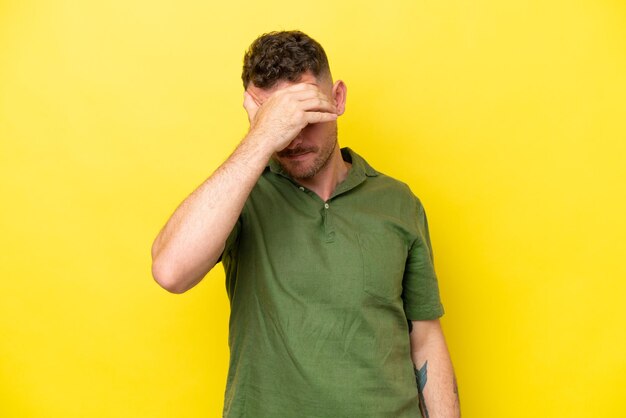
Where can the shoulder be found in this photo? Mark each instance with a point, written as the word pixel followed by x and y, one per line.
pixel 389 187
pixel 269 181
pixel 379 180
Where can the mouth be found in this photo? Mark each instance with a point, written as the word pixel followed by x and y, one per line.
pixel 296 156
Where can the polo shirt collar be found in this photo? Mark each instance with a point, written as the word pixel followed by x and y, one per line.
pixel 359 165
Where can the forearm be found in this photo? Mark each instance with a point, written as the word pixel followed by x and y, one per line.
pixel 435 377
pixel 193 238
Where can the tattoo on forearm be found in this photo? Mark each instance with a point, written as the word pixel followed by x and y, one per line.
pixel 456 390
pixel 421 376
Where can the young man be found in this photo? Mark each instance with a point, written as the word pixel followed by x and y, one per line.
pixel 329 269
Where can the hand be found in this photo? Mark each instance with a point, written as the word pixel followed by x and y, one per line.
pixel 287 111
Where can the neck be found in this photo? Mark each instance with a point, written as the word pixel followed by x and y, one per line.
pixel 327 179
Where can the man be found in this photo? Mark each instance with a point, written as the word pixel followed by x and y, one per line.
pixel 334 298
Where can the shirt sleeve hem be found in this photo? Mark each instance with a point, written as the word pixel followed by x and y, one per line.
pixel 424 314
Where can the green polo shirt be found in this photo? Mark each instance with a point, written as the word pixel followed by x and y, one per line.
pixel 320 293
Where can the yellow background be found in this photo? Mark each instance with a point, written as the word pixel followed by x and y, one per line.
pixel 506 118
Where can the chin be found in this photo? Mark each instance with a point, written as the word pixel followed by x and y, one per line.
pixel 301 173
pixel 308 167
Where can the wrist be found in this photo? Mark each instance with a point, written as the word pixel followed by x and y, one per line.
pixel 259 143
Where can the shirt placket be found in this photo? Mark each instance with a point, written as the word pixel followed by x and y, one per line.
pixel 355 177
pixel 327 220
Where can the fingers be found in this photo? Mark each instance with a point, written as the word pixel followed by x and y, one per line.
pixel 306 97
pixel 306 93
pixel 300 87
pixel 317 117
pixel 321 104
pixel 299 92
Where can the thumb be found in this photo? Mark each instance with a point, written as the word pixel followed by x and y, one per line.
pixel 250 105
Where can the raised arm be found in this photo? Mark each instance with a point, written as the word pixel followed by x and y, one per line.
pixel 192 240
pixel 437 388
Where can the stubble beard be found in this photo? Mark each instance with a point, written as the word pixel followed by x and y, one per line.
pixel 298 171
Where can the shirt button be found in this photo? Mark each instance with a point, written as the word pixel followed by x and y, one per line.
pixel 326 205
pixel 301 188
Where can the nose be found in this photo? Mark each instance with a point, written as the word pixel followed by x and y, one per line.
pixel 295 143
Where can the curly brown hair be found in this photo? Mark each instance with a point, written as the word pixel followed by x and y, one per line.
pixel 283 55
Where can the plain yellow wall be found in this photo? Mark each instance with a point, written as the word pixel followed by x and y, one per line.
pixel 508 119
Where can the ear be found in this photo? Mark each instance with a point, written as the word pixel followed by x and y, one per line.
pixel 339 96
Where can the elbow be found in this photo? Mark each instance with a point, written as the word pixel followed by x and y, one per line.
pixel 163 272
pixel 166 278
pixel 177 274
pixel 177 277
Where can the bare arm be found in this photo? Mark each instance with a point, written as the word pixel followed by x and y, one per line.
pixel 438 393
pixel 193 239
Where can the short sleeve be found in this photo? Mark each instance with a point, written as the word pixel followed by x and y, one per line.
pixel 232 239
pixel 420 291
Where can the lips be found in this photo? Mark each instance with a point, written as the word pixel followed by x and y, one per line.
pixel 295 153
pixel 297 156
